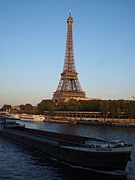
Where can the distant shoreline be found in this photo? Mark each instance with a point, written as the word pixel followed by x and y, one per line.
pixel 93 121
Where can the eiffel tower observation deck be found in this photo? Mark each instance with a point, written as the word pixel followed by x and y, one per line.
pixel 69 86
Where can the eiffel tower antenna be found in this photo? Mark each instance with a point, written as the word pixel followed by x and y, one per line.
pixel 69 86
pixel 70 12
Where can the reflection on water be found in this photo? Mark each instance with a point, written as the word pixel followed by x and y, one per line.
pixel 17 162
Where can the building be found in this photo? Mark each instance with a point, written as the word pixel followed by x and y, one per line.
pixel 69 86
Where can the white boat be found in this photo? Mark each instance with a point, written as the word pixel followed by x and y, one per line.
pixel 15 116
pixel 29 117
pixel 39 118
pixel 26 117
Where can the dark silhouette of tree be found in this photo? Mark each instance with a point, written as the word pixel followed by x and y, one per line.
pixel 46 105
pixel 107 108
pixel 104 108
pixel 27 108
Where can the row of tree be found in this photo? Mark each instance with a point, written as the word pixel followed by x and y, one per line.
pixel 111 108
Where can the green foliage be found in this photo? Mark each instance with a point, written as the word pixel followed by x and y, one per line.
pixel 108 108
pixel 93 105
pixel 104 107
pixel 27 108
pixel 46 105
pixel 71 105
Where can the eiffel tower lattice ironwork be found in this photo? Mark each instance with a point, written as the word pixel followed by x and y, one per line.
pixel 69 86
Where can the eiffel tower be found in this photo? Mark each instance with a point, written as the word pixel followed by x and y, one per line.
pixel 69 86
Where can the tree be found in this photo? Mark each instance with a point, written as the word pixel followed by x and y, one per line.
pixel 27 108
pixel 22 107
pixel 46 105
pixel 104 107
pixel 73 105
pixel 61 106
pixel 112 108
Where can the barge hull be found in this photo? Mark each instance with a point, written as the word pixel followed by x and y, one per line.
pixel 104 161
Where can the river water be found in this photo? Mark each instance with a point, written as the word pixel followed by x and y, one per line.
pixel 20 163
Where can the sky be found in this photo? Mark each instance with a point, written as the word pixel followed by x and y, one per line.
pixel 33 43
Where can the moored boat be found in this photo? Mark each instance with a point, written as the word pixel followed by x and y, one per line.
pixel 26 117
pixel 29 117
pixel 39 118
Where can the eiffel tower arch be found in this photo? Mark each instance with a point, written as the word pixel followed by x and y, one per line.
pixel 69 85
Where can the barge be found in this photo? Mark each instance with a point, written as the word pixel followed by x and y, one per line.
pixel 76 151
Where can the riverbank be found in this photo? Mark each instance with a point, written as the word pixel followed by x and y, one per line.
pixel 93 121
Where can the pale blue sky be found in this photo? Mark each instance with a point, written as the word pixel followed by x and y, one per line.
pixel 33 40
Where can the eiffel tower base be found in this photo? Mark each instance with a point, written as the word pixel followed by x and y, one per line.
pixel 59 96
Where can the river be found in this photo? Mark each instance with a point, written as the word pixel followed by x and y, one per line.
pixel 18 162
